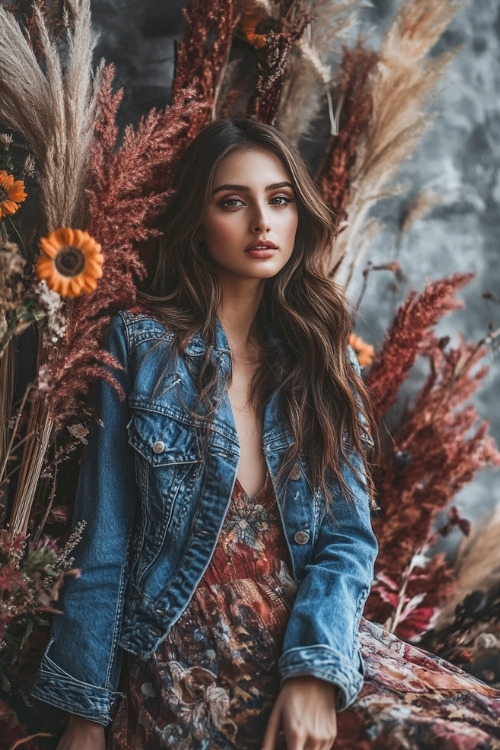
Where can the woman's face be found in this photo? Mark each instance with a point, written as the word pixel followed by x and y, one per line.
pixel 251 220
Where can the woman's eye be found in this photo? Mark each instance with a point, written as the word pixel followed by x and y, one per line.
pixel 232 202
pixel 281 200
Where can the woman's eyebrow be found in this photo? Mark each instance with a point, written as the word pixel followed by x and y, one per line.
pixel 245 188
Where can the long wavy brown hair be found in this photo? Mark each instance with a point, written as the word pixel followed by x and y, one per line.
pixel 322 397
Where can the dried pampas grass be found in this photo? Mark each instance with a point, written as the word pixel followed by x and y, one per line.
pixel 310 73
pixel 401 88
pixel 54 110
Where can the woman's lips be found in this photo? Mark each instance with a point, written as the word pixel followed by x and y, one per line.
pixel 262 249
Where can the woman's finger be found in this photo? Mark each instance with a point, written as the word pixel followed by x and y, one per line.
pixel 272 730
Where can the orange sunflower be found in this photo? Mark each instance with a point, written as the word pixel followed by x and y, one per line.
pixel 11 194
pixel 364 352
pixel 70 262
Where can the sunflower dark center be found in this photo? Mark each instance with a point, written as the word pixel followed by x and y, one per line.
pixel 3 194
pixel 70 261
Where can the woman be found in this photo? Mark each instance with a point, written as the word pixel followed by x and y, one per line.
pixel 239 395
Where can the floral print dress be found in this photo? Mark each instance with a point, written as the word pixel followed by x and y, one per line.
pixel 212 683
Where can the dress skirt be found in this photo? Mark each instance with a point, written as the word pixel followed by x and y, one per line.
pixel 212 683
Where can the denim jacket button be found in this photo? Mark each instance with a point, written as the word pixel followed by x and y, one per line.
pixel 295 472
pixel 159 446
pixel 301 537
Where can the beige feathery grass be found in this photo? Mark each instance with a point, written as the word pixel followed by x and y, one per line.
pixel 477 566
pixel 54 110
pixel 401 88
pixel 311 75
pixel 418 208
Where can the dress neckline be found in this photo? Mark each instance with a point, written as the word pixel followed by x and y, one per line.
pixel 238 486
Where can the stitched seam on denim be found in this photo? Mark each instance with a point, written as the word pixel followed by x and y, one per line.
pixel 181 417
pixel 188 493
pixel 120 601
pixel 357 617
pixel 165 521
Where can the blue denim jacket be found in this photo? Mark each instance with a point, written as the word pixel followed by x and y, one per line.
pixel 154 509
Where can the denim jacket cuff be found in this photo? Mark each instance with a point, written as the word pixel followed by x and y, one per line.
pixel 52 685
pixel 326 664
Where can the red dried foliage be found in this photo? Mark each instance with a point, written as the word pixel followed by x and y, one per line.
pixel 202 56
pixel 12 731
pixel 438 448
pixel 408 335
pixel 353 90
pixel 122 206
pixel 54 16
pixel 273 68
pixel 427 589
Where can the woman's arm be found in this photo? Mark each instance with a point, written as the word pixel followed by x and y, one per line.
pixel 80 670
pixel 321 639
pixel 82 734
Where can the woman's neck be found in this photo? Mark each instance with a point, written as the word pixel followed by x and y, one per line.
pixel 237 313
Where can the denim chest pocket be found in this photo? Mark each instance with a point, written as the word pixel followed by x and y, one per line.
pixel 168 466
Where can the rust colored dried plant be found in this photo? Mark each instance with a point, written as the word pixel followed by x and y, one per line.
pixel 439 446
pixel 353 91
pixel 408 334
pixel 202 57
pixel 274 67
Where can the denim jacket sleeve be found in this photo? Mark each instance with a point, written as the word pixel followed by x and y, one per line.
pixel 322 633
pixel 80 669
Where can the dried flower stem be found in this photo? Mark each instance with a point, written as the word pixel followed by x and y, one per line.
pixel 31 467
pixel 6 396
pixel 392 622
pixel 9 448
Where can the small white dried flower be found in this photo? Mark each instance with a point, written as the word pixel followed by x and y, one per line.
pixel 79 432
pixel 29 168
pixel 486 642
pixel 5 140
pixel 44 379
pixel 54 307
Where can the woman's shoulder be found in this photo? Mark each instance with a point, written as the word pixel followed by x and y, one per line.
pixel 138 324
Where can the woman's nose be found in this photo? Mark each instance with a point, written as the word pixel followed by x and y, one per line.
pixel 261 220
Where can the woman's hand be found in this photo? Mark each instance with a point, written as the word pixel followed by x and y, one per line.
pixel 82 734
pixel 305 711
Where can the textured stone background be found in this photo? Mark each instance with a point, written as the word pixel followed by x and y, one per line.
pixel 459 159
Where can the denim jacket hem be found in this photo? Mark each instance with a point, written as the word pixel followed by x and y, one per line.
pixel 54 686
pixel 326 664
